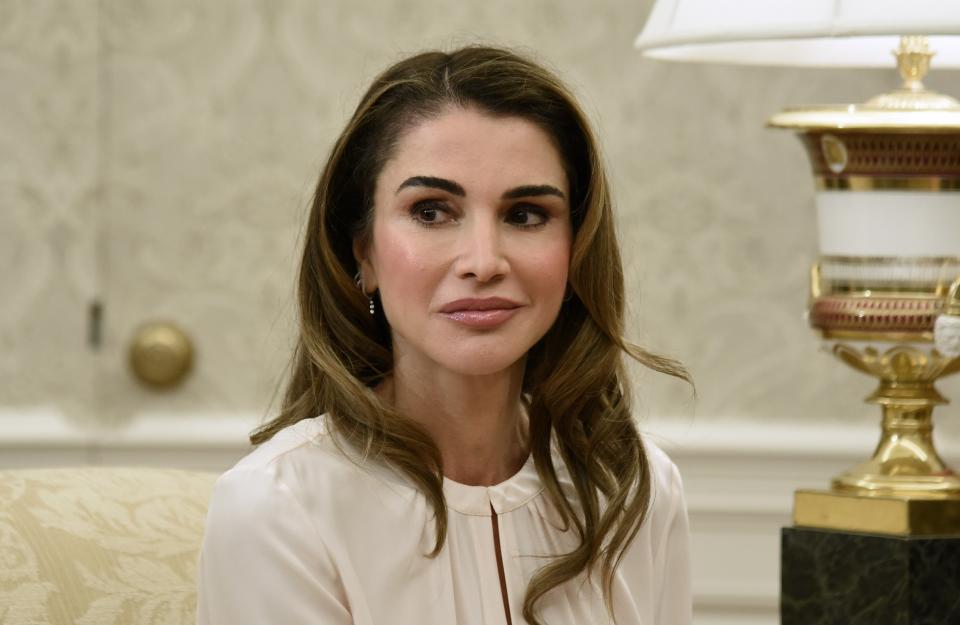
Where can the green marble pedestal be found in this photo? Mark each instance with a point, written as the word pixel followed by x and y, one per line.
pixel 831 577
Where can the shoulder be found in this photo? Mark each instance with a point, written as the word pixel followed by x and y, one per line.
pixel 294 439
pixel 663 471
pixel 277 473
pixel 260 531
pixel 268 479
pixel 277 459
pixel 666 485
pixel 302 468
pixel 666 498
pixel 661 561
pixel 658 557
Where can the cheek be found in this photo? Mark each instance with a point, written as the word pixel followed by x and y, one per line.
pixel 402 266
pixel 548 267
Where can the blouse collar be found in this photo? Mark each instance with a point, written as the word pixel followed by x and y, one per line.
pixel 508 495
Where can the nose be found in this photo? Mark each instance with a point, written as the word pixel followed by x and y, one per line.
pixel 481 255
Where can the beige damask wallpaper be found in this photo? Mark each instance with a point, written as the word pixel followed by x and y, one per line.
pixel 157 156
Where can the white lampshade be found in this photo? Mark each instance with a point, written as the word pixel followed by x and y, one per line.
pixel 838 33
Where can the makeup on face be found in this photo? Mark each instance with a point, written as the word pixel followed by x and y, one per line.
pixel 471 241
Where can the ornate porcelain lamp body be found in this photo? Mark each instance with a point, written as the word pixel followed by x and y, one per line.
pixel 888 209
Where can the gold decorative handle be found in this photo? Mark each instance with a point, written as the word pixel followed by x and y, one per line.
pixel 161 354
pixel 816 288
pixel 951 305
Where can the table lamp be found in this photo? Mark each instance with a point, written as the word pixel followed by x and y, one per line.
pixel 884 292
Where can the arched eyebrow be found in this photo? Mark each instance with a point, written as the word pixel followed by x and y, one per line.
pixel 527 190
pixel 533 190
pixel 431 181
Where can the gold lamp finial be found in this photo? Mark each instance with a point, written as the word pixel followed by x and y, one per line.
pixel 913 61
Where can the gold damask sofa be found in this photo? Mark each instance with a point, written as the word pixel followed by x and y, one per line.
pixel 100 546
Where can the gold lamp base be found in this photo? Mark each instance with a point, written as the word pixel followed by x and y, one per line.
pixel 934 515
pixel 905 489
pixel 905 462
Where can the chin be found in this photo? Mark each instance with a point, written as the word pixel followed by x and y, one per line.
pixel 469 362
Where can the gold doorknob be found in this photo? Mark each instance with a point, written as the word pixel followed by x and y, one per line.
pixel 161 354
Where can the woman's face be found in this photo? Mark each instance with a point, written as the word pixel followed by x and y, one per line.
pixel 470 242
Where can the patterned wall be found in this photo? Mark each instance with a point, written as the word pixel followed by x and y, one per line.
pixel 158 156
pixel 49 167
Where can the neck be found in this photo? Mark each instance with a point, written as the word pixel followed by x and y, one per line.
pixel 478 422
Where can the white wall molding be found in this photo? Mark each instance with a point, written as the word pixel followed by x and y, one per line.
pixel 45 437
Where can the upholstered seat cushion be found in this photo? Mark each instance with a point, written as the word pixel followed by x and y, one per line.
pixel 100 546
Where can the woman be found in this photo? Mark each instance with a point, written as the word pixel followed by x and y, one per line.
pixel 456 444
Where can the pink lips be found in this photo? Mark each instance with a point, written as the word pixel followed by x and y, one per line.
pixel 480 313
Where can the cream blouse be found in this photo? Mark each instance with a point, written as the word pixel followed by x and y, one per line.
pixel 297 534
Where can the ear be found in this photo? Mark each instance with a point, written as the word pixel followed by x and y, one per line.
pixel 367 273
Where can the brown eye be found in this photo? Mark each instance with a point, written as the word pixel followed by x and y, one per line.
pixel 526 217
pixel 429 213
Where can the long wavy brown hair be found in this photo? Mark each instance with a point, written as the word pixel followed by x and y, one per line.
pixel 574 384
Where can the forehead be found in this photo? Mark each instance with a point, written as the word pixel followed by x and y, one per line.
pixel 471 146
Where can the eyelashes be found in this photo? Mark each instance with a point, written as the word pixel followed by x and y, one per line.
pixel 430 213
pixel 434 213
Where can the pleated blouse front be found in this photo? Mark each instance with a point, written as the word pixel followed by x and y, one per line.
pixel 299 534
